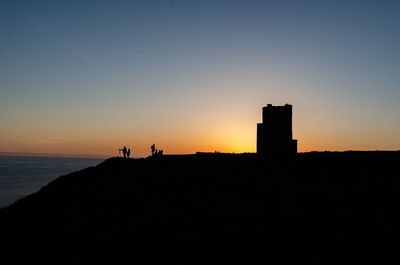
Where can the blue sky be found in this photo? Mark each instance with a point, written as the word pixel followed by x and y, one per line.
pixel 85 77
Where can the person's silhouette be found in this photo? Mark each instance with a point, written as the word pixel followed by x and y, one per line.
pixel 124 151
pixel 153 149
pixel 128 153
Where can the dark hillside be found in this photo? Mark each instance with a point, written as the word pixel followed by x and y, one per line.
pixel 320 208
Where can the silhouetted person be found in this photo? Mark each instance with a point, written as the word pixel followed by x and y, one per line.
pixel 128 153
pixel 153 149
pixel 124 151
pixel 158 152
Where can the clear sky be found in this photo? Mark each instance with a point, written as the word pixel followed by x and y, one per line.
pixel 87 77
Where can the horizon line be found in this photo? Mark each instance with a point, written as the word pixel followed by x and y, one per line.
pixel 5 153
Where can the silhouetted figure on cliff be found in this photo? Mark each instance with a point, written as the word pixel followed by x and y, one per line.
pixel 124 151
pixel 158 153
pixel 155 152
pixel 128 153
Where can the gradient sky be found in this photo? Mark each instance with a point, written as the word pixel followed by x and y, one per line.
pixel 87 77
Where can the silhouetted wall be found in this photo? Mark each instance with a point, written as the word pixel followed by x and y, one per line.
pixel 274 134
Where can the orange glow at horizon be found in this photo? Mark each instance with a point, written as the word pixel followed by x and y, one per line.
pixel 227 139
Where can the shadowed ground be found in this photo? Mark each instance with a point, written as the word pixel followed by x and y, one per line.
pixel 320 208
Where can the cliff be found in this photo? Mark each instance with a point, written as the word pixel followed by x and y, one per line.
pixel 320 208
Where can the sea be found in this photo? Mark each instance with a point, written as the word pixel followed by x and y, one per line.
pixel 23 175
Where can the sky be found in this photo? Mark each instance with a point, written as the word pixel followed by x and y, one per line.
pixel 88 77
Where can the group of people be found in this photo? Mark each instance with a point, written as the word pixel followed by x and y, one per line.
pixel 155 152
pixel 125 151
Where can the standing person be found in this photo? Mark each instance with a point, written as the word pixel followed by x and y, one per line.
pixel 128 153
pixel 124 151
pixel 153 149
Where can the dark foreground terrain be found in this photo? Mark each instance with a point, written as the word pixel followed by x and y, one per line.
pixel 320 208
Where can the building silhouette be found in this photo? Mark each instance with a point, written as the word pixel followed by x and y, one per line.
pixel 274 134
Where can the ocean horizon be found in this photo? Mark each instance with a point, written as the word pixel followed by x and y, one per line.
pixel 21 175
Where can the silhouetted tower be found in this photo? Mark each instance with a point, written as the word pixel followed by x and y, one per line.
pixel 274 134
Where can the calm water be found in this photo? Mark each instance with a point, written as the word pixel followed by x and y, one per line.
pixel 23 175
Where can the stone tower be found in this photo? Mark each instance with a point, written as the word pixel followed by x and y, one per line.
pixel 274 134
